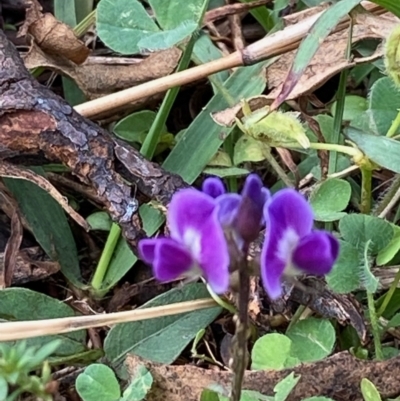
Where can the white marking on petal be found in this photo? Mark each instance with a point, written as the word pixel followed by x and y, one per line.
pixel 192 241
pixel 286 245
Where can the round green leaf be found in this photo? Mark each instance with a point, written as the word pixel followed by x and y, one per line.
pixel 139 385
pixel 384 102
pixel 271 352
pixel 312 339
pixel 248 149
pixel 345 275
pixel 99 221
pixel 98 382
pixel 122 24
pixel 354 106
pixel 329 198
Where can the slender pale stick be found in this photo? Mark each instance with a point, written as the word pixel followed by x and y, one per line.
pixel 11 331
pixel 278 43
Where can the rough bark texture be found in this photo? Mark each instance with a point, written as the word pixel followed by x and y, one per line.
pixel 35 121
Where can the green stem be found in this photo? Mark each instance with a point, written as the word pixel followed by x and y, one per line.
pixel 395 125
pixel 374 326
pixel 295 318
pixel 389 294
pixel 340 100
pixel 226 305
pixel 366 190
pixel 150 143
pixel 105 258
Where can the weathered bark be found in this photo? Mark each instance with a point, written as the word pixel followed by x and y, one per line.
pixel 35 121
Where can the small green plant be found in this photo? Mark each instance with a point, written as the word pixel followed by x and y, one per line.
pixel 98 382
pixel 17 362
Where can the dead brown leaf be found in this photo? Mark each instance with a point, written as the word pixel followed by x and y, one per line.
pixel 53 36
pixel 97 80
pixel 337 377
pixel 330 58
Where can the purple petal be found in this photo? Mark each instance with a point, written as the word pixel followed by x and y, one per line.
pixel 213 187
pixel 272 269
pixel 250 214
pixel 228 206
pixel 214 256
pixel 147 249
pixel 316 253
pixel 289 209
pixel 171 260
pixel 188 210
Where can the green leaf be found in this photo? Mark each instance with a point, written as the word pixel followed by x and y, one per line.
pixel 285 387
pixel 166 39
pixel 202 139
pixel 18 304
pixel 386 254
pixel 49 225
pixel 354 106
pixel 170 14
pixel 248 149
pixel 4 388
pixel 272 351
pixel 369 391
pixel 381 150
pixel 317 398
pixel 99 221
pixel 312 339
pixel 209 395
pixel 139 386
pixel 122 24
pixel 358 229
pixel 148 338
pixel 345 275
pixel 384 101
pixel 394 321
pixel 329 198
pixel 309 46
pixel 98 382
pixel 132 127
pixel 121 262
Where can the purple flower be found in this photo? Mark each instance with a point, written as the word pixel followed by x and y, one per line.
pixel 196 246
pixel 291 246
pixel 243 213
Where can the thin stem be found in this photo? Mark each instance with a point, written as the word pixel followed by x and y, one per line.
pixel 226 305
pixel 389 294
pixel 374 326
pixel 102 266
pixel 279 170
pixel 340 100
pixel 366 190
pixel 150 143
pixel 395 125
pixel 296 316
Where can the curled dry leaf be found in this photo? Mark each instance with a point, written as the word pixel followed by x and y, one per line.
pixel 11 171
pixel 97 80
pixel 31 265
pixel 53 36
pixel 337 377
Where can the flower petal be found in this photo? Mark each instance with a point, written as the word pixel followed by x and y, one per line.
pixel 316 253
pixel 272 269
pixel 188 210
pixel 147 249
pixel 289 209
pixel 228 205
pixel 214 256
pixel 250 214
pixel 171 260
pixel 213 186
